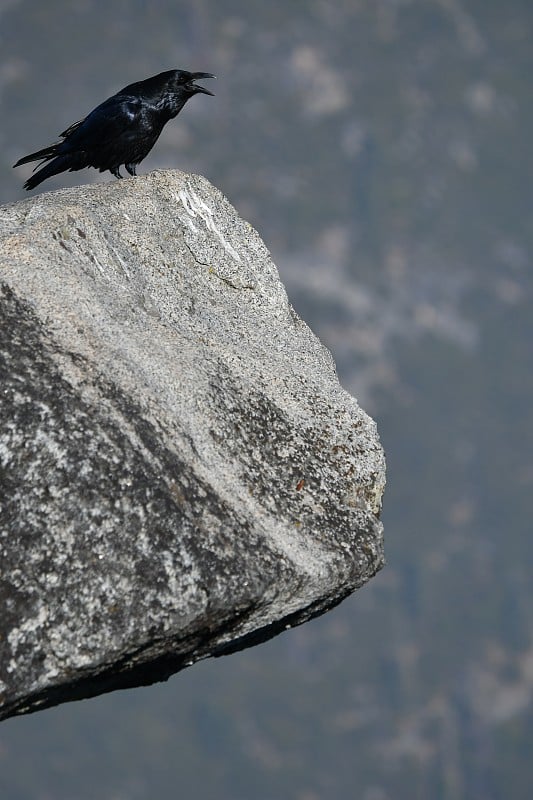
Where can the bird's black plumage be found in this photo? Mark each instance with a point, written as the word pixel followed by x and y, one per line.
pixel 121 130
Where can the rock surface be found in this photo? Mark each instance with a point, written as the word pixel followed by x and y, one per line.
pixel 181 474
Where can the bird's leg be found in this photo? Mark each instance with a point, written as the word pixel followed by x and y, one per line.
pixel 132 169
pixel 115 171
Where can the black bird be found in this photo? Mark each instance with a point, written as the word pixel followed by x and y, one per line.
pixel 121 130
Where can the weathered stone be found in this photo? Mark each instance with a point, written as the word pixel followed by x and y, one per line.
pixel 181 474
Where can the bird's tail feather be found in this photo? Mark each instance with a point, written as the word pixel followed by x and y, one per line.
pixel 41 155
pixel 59 164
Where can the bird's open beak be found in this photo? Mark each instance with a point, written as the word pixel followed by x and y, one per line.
pixel 195 76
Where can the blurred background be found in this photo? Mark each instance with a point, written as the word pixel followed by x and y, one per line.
pixel 382 148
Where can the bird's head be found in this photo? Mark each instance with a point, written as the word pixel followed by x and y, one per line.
pixel 184 81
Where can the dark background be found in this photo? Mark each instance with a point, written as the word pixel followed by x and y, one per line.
pixel 383 150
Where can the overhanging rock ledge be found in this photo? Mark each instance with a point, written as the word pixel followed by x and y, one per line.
pixel 181 474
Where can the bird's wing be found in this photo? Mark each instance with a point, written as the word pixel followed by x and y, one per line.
pixel 106 132
pixel 72 128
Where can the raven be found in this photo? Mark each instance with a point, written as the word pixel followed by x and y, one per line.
pixel 121 130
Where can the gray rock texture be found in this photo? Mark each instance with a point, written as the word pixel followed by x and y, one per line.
pixel 181 474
